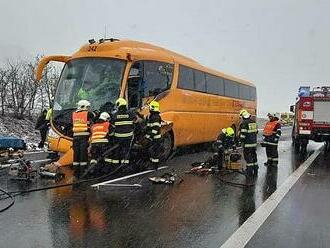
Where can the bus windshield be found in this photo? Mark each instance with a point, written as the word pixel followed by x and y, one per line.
pixel 94 79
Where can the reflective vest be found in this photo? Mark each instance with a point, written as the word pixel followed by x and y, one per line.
pixel 80 123
pixel 99 132
pixel 269 129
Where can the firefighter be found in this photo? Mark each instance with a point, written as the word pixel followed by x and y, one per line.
pixel 248 138
pixel 272 133
pixel 81 120
pixel 122 130
pixel 153 133
pixel 100 141
pixel 225 141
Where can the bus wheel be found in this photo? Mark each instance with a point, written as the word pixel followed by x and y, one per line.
pixel 166 146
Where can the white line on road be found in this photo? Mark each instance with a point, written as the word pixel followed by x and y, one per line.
pixel 126 177
pixel 34 152
pixel 242 236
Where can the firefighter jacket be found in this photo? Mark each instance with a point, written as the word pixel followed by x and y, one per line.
pixel 81 120
pixel 100 131
pixel 223 142
pixel 248 133
pixel 122 124
pixel 272 132
pixel 154 123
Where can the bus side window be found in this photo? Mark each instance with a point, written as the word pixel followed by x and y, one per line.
pixel 157 77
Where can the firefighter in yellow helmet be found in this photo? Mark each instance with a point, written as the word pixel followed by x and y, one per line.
pixel 153 133
pixel 225 141
pixel 122 132
pixel 248 137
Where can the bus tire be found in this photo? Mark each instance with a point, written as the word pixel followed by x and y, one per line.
pixel 166 146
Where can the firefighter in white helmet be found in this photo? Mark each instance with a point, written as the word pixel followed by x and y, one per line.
pixel 100 143
pixel 81 120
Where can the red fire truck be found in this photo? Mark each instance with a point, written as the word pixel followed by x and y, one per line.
pixel 312 117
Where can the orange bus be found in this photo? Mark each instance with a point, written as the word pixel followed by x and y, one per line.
pixel 197 101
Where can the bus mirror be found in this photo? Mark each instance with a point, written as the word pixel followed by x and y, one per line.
pixel 292 108
pixel 45 60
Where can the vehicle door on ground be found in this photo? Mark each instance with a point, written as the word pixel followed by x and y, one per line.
pixel 146 80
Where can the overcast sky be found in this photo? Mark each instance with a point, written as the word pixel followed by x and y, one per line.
pixel 278 45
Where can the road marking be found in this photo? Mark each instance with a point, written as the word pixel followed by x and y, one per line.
pixel 34 152
pixel 245 232
pixel 126 177
pixel 136 185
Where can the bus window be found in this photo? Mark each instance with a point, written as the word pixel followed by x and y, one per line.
pixel 214 85
pixel 157 77
pixel 244 92
pixel 253 94
pixel 186 78
pixel 231 89
pixel 200 84
pixel 148 78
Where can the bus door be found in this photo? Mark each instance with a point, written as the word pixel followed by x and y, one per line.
pixel 147 80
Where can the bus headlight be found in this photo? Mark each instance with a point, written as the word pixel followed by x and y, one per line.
pixel 52 134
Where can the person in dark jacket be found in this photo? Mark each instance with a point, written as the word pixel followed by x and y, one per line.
pixel 122 129
pixel 153 135
pixel 248 137
pixel 225 141
pixel 42 126
pixel 272 133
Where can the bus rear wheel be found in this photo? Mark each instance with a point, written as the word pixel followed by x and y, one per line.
pixel 166 146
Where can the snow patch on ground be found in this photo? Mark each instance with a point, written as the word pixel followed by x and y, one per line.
pixel 23 129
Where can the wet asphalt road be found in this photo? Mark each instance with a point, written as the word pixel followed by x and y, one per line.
pixel 302 217
pixel 199 212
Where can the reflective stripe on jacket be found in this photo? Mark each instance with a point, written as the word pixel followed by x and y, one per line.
pixel 99 132
pixel 154 123
pixel 123 124
pixel 248 133
pixel 80 123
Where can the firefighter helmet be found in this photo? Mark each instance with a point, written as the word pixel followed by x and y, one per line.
pixel 244 113
pixel 104 116
pixel 83 104
pixel 121 102
pixel 154 106
pixel 230 131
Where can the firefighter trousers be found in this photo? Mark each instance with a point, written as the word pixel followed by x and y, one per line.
pixel 80 153
pixel 250 156
pixel 97 152
pixel 120 155
pixel 154 152
pixel 272 154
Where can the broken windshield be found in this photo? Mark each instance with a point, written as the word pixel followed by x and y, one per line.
pixel 94 79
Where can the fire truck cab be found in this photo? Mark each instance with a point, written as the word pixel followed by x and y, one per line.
pixel 312 117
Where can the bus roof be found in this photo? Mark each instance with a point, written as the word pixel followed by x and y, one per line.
pixel 121 48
